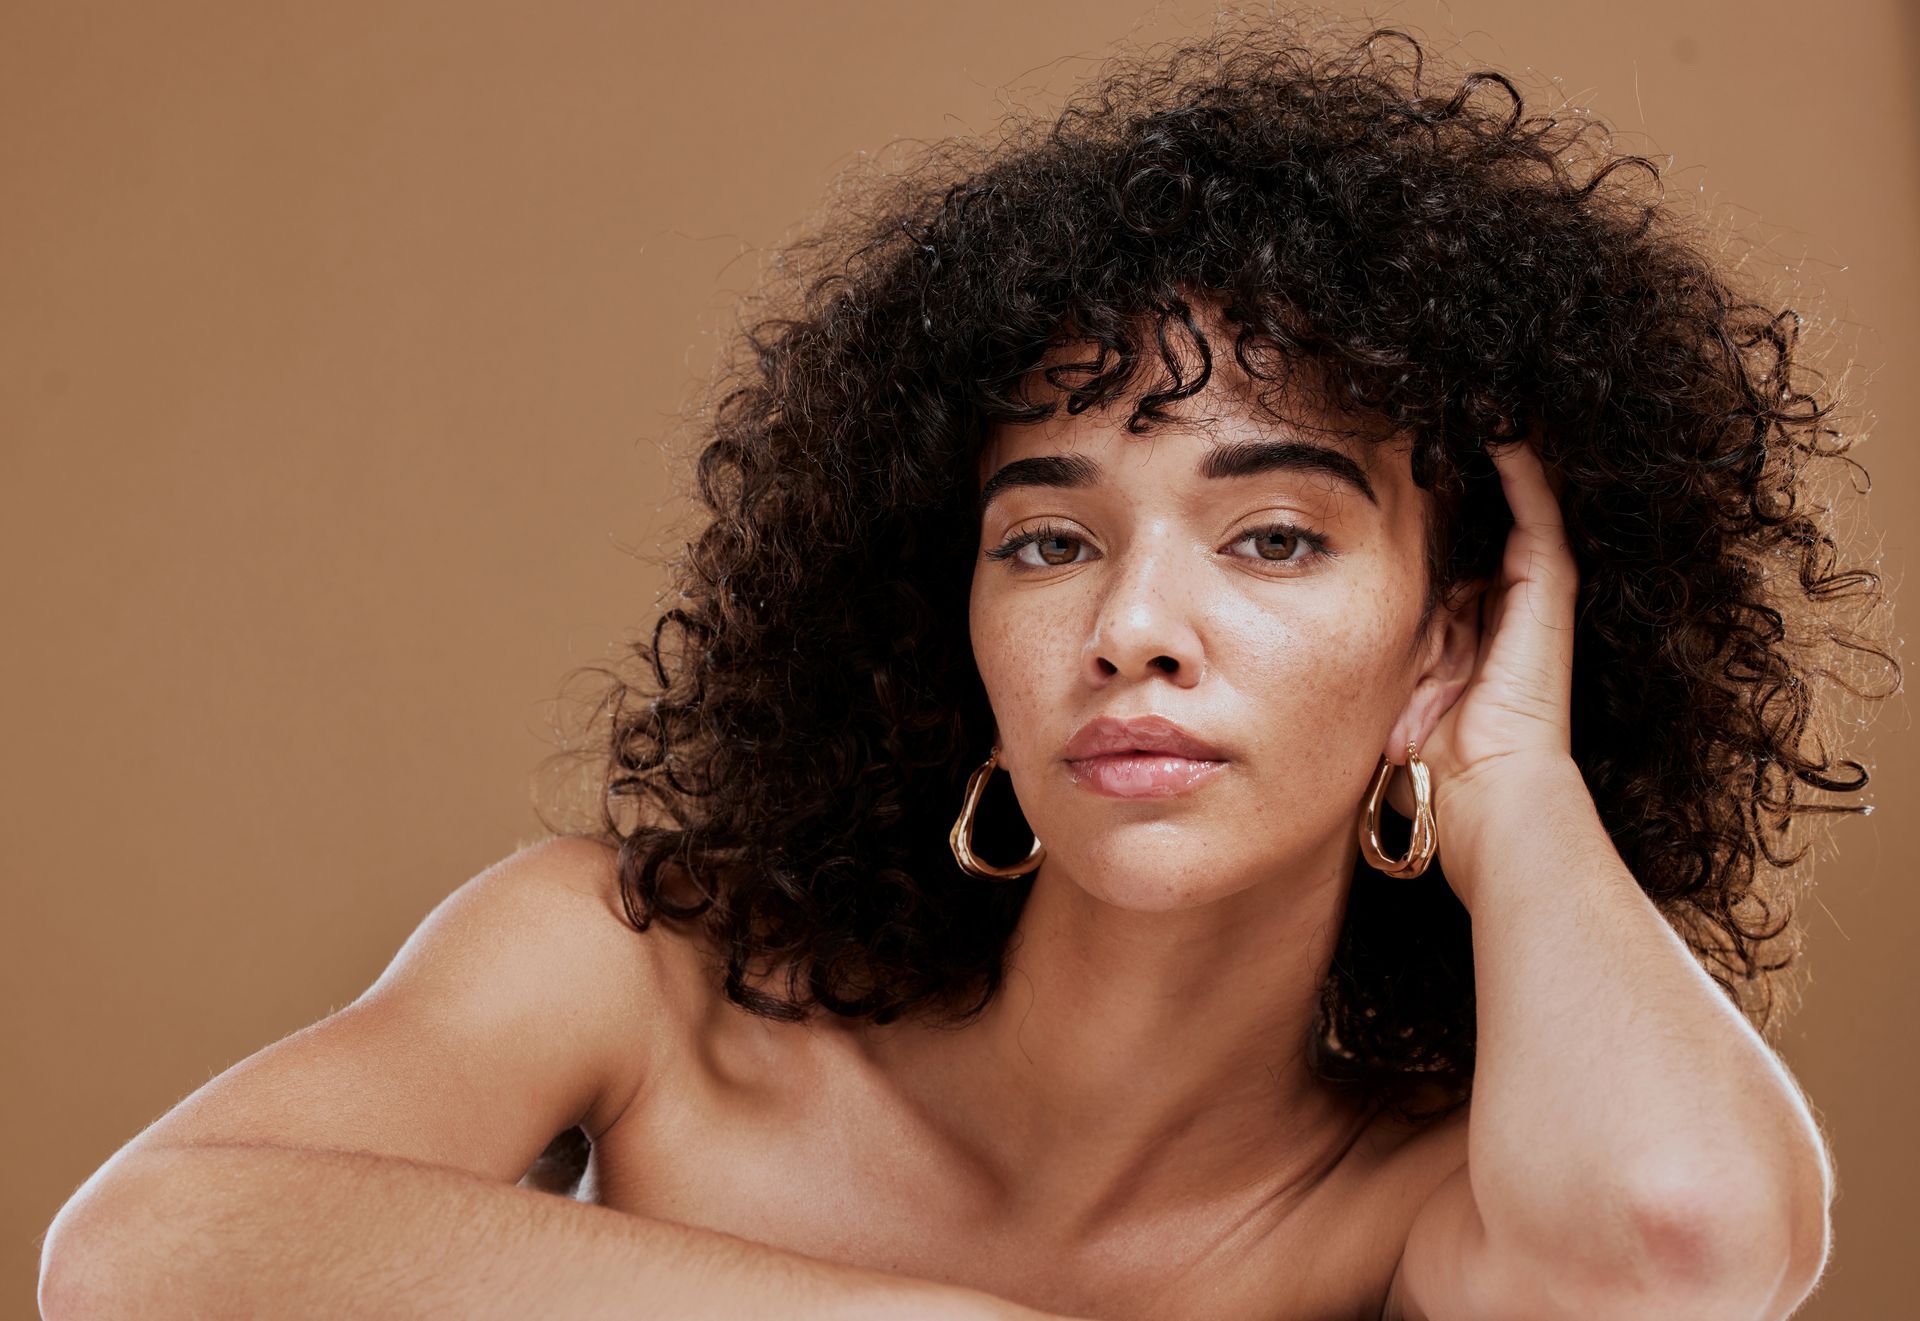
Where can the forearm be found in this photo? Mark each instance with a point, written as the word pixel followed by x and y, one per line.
pixel 247 1231
pixel 1625 1115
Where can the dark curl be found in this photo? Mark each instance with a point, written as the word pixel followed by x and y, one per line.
pixel 787 764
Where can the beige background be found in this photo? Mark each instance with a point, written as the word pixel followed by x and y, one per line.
pixel 337 343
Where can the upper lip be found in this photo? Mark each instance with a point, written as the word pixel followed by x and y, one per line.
pixel 1141 734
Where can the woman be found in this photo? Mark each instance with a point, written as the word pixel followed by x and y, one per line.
pixel 1104 523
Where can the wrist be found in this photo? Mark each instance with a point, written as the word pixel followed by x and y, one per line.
pixel 1510 797
pixel 1502 779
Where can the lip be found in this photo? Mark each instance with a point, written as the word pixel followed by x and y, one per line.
pixel 1145 757
pixel 1105 735
pixel 1142 774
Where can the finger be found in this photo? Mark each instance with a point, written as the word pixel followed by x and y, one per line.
pixel 1539 528
pixel 1523 476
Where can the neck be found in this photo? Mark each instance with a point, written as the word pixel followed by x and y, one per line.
pixel 1148 1058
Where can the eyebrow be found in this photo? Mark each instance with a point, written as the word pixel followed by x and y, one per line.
pixel 1240 458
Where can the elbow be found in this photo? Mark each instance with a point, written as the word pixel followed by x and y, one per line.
pixel 1686 1238
pixel 1752 1254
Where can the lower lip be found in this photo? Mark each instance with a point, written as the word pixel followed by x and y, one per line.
pixel 1142 774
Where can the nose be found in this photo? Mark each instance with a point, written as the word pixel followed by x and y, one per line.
pixel 1144 623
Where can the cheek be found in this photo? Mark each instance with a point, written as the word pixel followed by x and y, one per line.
pixel 1321 667
pixel 1017 639
pixel 1029 648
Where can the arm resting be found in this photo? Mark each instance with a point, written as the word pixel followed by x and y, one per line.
pixel 237 1230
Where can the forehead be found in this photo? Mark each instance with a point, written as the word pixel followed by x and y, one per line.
pixel 1228 429
pixel 1102 433
pixel 1230 404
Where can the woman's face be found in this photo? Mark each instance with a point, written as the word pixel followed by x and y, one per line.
pixel 1258 586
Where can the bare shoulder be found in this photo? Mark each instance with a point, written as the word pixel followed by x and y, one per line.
pixel 675 963
pixel 1402 1161
pixel 1405 1165
pixel 524 1004
pixel 654 976
pixel 683 1022
pixel 1401 1143
pixel 1393 1168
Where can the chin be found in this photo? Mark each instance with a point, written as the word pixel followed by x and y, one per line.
pixel 1154 871
pixel 1156 896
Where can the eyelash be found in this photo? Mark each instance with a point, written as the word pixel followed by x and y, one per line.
pixel 1317 547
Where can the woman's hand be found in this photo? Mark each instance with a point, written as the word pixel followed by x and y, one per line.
pixel 1513 718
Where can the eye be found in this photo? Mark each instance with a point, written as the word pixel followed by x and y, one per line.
pixel 1284 543
pixel 1275 543
pixel 1046 537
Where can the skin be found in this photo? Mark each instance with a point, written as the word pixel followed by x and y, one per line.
pixel 1146 1063
pixel 1150 1041
pixel 1130 1129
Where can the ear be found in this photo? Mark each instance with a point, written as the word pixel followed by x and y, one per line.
pixel 1446 663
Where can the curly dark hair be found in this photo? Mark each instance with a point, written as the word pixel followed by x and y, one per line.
pixel 786 765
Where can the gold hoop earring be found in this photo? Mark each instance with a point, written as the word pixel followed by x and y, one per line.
pixel 961 836
pixel 1426 837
